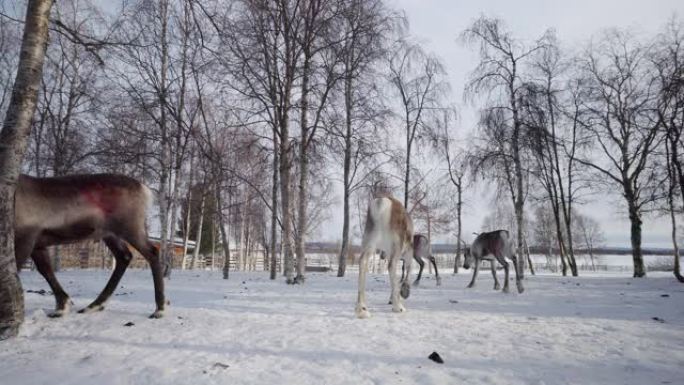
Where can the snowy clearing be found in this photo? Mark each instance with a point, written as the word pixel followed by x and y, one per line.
pixel 596 329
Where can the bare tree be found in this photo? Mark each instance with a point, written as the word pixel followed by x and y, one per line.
pixel 490 157
pixel 263 63
pixel 590 235
pixel 544 119
pixel 499 74
pixel 13 142
pixel 318 39
pixel 456 162
pixel 544 233
pixel 416 77
pixel 365 25
pixel 620 94
pixel 669 66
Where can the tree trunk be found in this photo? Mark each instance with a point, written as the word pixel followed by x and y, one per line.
pixel 285 173
pixel 635 236
pixel 178 166
pixel 198 237
pixel 242 252
pixel 274 209
pixel 13 142
pixel 213 240
pixel 348 105
pixel 186 234
pixel 559 191
pixel 300 241
pixel 559 238
pixel 302 198
pixel 529 259
pixel 672 178
pixel 224 234
pixel 675 247
pixel 520 239
pixel 174 214
pixel 407 172
pixel 515 144
pixel 164 199
pixel 248 223
pixel 459 205
pixel 678 170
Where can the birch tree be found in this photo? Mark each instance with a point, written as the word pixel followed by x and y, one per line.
pixel 499 77
pixel 416 78
pixel 13 142
pixel 669 68
pixel 263 62
pixel 620 94
pixel 365 25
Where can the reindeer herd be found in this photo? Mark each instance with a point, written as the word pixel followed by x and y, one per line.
pixel 112 208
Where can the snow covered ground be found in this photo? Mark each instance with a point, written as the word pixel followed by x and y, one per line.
pixel 596 329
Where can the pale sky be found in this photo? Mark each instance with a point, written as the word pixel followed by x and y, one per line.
pixel 437 25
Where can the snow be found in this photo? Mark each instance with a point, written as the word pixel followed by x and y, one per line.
pixel 596 329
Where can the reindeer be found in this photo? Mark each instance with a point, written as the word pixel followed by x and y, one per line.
pixel 390 230
pixel 489 246
pixel 61 210
pixel 421 251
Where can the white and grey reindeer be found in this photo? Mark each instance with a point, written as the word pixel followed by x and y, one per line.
pixel 491 246
pixel 421 252
pixel 390 230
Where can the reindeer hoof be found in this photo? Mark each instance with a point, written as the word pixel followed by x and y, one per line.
pixel 362 312
pixel 472 285
pixel 416 283
pixel 91 309
pixel 520 289
pixel 157 314
pixel 497 287
pixel 57 314
pixel 398 309
pixel 505 290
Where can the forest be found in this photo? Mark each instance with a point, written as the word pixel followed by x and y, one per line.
pixel 251 120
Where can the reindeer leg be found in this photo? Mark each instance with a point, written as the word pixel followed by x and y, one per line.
pixel 41 258
pixel 361 307
pixel 502 261
pixel 151 254
pixel 518 282
pixel 476 268
pixel 492 264
pixel 123 258
pixel 405 289
pixel 420 270
pixel 390 266
pixel 437 277
pixel 397 306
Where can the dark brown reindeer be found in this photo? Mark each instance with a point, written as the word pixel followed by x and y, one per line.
pixel 491 246
pixel 61 210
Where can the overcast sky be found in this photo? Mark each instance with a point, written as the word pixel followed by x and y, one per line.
pixel 437 25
